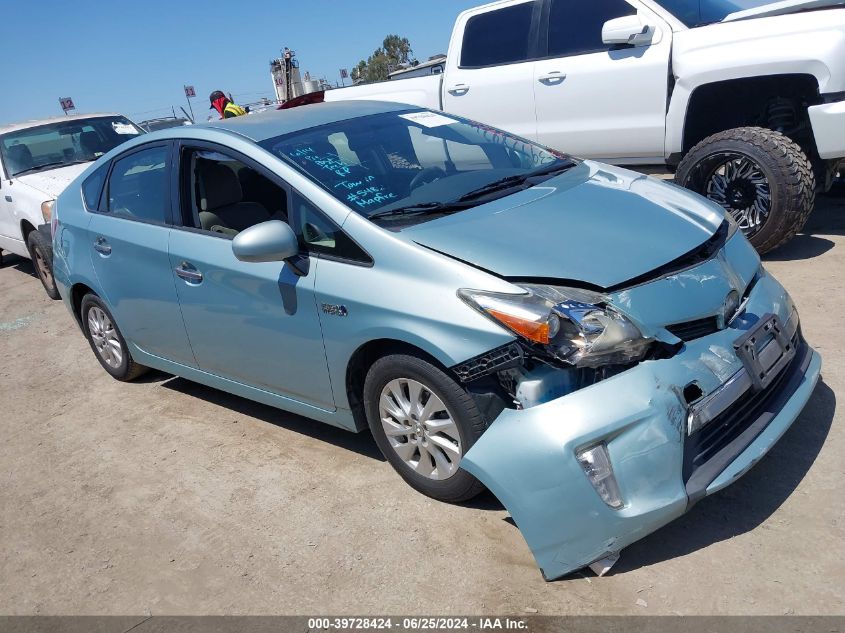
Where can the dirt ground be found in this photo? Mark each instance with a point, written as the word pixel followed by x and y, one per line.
pixel 166 497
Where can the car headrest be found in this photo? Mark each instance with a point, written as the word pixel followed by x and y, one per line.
pixel 20 157
pixel 91 143
pixel 220 187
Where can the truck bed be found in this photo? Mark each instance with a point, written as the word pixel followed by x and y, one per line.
pixel 419 91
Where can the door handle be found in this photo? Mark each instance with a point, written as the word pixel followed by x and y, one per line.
pixel 552 77
pixel 8 198
pixel 188 273
pixel 102 246
pixel 458 90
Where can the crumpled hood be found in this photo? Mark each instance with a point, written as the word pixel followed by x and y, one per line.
pixel 53 181
pixel 595 224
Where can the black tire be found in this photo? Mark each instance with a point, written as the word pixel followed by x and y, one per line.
pixel 791 182
pixel 127 369
pixel 462 409
pixel 41 253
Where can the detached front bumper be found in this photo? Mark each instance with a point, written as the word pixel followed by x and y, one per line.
pixel 828 121
pixel 528 458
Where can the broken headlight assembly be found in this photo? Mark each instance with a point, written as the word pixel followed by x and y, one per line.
pixel 575 326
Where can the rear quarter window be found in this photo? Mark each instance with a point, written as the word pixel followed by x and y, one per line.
pixel 92 188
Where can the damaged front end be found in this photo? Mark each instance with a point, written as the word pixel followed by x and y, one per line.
pixel 618 410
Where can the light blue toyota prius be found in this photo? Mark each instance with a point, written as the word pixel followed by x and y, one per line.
pixel 599 349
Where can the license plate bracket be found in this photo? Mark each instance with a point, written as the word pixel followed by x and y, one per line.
pixel 765 351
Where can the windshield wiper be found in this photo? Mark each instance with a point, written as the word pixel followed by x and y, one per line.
pixel 515 181
pixel 425 208
pixel 48 165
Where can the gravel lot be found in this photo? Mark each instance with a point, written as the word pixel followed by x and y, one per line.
pixel 166 497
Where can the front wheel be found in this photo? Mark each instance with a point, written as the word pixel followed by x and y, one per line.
pixel 41 252
pixel 424 423
pixel 761 177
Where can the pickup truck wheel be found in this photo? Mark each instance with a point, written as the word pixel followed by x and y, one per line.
pixel 423 423
pixel 41 252
pixel 759 176
pixel 106 340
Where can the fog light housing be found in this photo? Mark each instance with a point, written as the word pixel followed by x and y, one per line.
pixel 597 466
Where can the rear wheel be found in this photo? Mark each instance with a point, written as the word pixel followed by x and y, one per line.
pixel 41 252
pixel 761 177
pixel 424 423
pixel 106 340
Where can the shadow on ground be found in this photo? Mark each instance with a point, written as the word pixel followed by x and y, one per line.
pixel 361 443
pixel 828 218
pixel 747 503
pixel 10 260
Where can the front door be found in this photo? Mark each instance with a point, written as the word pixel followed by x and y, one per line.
pixel 128 243
pixel 492 79
pixel 253 323
pixel 596 101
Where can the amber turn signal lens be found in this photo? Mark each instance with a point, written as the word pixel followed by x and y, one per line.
pixel 531 330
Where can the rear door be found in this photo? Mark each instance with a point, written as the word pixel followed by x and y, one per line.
pixel 596 101
pixel 491 78
pixel 128 236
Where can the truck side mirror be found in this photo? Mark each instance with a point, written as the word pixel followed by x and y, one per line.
pixel 627 31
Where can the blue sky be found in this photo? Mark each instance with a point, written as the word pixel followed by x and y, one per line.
pixel 134 58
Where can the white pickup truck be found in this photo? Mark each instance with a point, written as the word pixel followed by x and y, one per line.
pixel 743 99
pixel 38 159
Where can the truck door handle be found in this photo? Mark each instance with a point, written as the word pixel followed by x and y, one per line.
pixel 187 272
pixel 102 246
pixel 458 90
pixel 552 77
pixel 8 198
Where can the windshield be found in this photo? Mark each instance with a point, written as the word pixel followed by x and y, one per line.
pixel 408 166
pixel 65 143
pixel 700 12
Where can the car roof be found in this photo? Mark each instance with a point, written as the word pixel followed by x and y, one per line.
pixel 272 123
pixel 23 125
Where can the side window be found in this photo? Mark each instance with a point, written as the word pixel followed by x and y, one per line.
pixel 575 27
pixel 223 195
pixel 138 186
pixel 497 37
pixel 318 234
pixel 92 188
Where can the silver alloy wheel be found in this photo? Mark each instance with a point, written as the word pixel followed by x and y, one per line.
pixel 739 185
pixel 105 337
pixel 420 428
pixel 43 269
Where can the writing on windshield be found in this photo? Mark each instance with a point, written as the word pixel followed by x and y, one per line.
pixel 363 192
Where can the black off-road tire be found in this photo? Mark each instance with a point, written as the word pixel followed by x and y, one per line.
pixel 461 486
pixel 41 253
pixel 128 369
pixel 790 174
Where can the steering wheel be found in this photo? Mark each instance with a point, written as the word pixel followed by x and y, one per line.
pixel 427 175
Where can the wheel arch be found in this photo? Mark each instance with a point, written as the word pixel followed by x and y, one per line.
pixel 363 358
pixel 26 228
pixel 77 292
pixel 758 100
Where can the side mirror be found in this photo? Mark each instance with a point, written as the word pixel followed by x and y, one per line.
pixel 627 30
pixel 271 241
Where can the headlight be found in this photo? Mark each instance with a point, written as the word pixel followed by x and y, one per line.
pixel 575 326
pixel 47 210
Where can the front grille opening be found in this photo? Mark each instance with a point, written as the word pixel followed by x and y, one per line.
pixel 692 392
pixel 691 330
pixel 705 443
